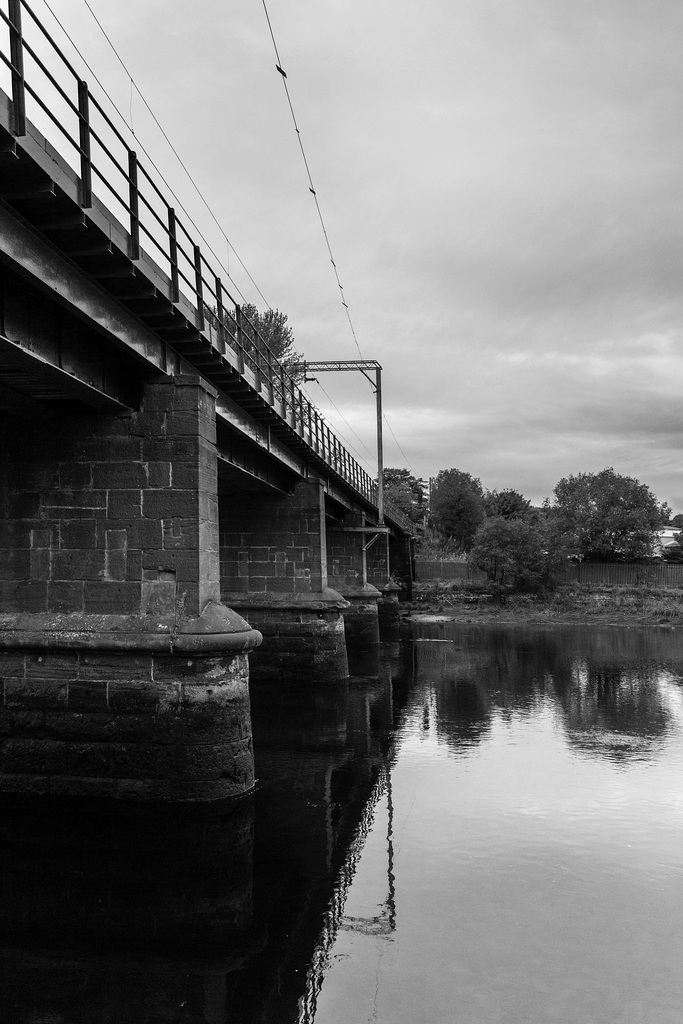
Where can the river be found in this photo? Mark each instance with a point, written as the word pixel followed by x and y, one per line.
pixel 484 825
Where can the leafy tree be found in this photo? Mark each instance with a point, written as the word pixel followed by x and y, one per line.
pixel 678 521
pixel 518 554
pixel 407 492
pixel 273 328
pixel 457 506
pixel 607 517
pixel 508 503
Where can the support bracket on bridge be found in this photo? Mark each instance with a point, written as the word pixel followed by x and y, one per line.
pixel 360 529
pixel 376 532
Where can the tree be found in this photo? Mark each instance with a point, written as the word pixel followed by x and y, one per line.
pixel 678 521
pixel 407 493
pixel 508 503
pixel 457 506
pixel 607 517
pixel 518 554
pixel 273 328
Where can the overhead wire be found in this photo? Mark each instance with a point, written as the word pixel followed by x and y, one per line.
pixel 130 127
pixel 314 193
pixel 311 187
pixel 384 415
pixel 177 156
pixel 359 439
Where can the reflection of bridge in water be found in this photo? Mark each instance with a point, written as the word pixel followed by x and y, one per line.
pixel 196 920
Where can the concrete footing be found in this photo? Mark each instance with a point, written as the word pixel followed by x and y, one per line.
pixel 126 707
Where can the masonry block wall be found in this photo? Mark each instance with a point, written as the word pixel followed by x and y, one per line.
pixel 345 556
pixel 120 673
pixel 274 544
pixel 377 559
pixel 111 514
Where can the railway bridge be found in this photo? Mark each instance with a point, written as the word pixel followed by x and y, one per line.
pixel 174 512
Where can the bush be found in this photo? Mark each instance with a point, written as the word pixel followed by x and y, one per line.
pixel 517 554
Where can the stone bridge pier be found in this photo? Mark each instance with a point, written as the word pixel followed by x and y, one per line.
pixel 121 672
pixel 347 554
pixel 274 570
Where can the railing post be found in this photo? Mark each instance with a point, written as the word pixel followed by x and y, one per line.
pixel 301 414
pixel 198 286
pixel 173 255
pixel 84 138
pixel 220 314
pixel 283 391
pixel 134 205
pixel 239 339
pixel 16 42
pixel 271 388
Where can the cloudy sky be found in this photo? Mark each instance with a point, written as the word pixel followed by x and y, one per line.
pixel 501 187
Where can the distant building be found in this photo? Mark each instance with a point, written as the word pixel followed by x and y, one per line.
pixel 666 538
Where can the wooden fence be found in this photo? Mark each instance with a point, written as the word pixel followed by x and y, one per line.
pixel 654 574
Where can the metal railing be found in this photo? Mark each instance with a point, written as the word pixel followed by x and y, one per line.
pixel 50 92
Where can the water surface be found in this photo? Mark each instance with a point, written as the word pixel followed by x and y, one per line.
pixel 534 831
pixel 486 826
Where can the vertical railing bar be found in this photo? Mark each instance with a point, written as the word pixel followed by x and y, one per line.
pixel 220 314
pixel 257 360
pixel 239 339
pixel 173 254
pixel 199 286
pixel 271 389
pixel 17 59
pixel 134 205
pixel 84 138
pixel 283 391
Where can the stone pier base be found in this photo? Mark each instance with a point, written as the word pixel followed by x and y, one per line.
pixel 361 619
pixel 304 636
pixel 389 613
pixel 133 708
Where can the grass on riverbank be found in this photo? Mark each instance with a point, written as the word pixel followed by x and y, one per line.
pixel 573 602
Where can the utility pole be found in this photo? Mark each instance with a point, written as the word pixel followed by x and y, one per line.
pixel 365 366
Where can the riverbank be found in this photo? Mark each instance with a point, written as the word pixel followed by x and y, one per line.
pixel 572 603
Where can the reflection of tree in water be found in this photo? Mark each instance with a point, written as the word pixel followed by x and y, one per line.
pixel 454 699
pixel 615 710
pixel 608 685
